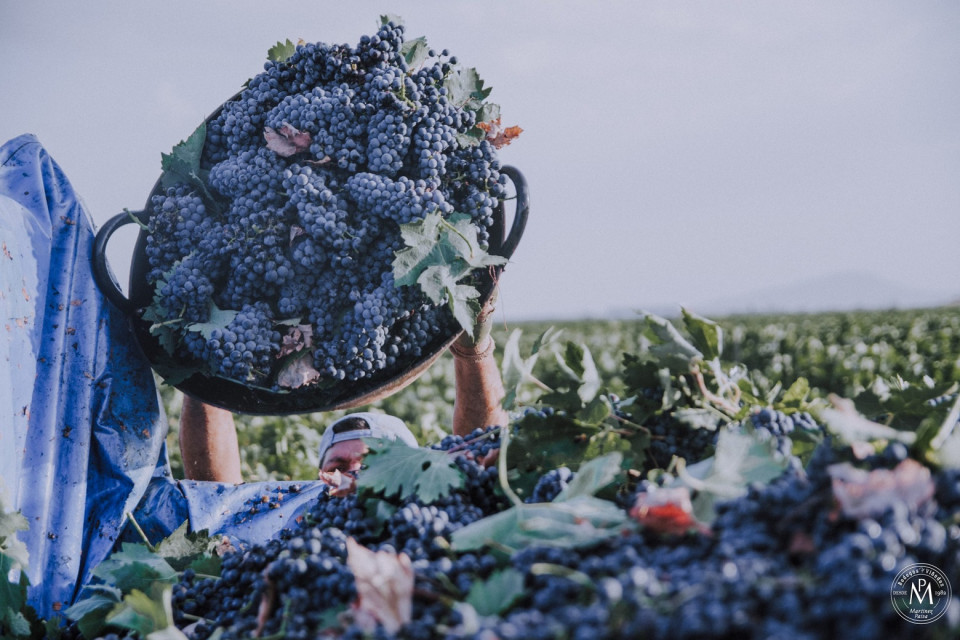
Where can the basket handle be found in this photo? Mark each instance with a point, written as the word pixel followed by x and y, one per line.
pixel 101 272
pixel 509 245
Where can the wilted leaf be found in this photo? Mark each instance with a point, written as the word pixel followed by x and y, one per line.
pixel 869 494
pixel 298 372
pixel 287 141
pixel 498 135
pixel 384 583
pixel 666 510
pixel 296 339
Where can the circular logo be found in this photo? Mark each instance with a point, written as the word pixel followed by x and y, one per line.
pixel 920 593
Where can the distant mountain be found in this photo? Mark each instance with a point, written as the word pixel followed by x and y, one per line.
pixel 848 291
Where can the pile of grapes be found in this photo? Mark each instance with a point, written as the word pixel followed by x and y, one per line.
pixel 781 561
pixel 275 232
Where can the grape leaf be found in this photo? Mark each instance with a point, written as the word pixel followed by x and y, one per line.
pixel 517 369
pixel 439 255
pixel 219 319
pixel 386 18
pixel 578 522
pixel 592 476
pixel 12 595
pixel 11 547
pixel 465 89
pixel 739 460
pixel 497 593
pixel 415 51
pixel 182 164
pixel 281 51
pixel 91 610
pixel 439 284
pixel 707 335
pixel 496 134
pixel 146 613
pixel 184 548
pixel 394 469
pixel 135 567
pixel 669 346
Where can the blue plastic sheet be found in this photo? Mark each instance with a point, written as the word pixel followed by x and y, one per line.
pixel 82 429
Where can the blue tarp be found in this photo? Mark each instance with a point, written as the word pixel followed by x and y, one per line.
pixel 82 433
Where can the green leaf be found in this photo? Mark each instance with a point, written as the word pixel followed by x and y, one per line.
pixel 184 548
pixel 219 319
pixel 707 334
pixel 145 613
pixel 91 610
pixel 415 51
pixel 740 459
pixel 439 255
pixel 182 164
pixel 135 567
pixel 11 547
pixel 16 624
pixel 796 396
pixel 574 523
pixel 497 593
pixel 465 89
pixel 543 443
pixel 592 476
pixel 167 633
pixel 516 369
pixel 489 112
pixel 698 417
pixel 12 595
pixel 577 362
pixel 386 18
pixel 282 51
pixel 396 470
pixel 668 346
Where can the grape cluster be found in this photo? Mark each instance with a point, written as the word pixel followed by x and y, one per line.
pixel 781 561
pixel 310 233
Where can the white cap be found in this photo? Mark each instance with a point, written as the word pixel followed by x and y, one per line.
pixel 380 425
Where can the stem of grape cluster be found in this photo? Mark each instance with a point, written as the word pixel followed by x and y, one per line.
pixel 502 467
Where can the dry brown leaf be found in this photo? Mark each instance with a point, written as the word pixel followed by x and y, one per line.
pixel 286 141
pixel 499 136
pixel 868 494
pixel 298 372
pixel 384 582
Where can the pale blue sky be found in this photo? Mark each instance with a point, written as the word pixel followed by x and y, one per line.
pixel 677 152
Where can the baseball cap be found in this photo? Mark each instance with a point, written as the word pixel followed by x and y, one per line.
pixel 381 425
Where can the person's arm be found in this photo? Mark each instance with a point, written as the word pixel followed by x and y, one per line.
pixel 478 385
pixel 208 443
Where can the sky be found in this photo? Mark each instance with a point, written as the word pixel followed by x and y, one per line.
pixel 676 152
